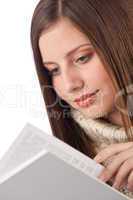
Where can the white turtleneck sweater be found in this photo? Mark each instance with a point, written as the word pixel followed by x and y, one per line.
pixel 103 134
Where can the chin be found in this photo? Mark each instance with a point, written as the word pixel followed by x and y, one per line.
pixel 95 114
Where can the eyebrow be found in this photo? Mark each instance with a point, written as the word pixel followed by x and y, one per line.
pixel 70 52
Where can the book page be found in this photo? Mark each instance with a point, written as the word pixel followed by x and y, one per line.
pixel 32 141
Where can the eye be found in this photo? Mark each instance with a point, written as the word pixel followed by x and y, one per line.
pixel 81 60
pixel 54 72
pixel 84 59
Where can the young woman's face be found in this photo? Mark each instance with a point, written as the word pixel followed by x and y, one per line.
pixel 76 70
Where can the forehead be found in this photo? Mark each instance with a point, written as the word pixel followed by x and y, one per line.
pixel 60 39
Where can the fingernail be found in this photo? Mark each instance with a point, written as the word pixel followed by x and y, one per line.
pixel 115 185
pixel 102 177
pixel 97 158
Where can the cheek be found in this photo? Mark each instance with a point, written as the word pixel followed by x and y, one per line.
pixel 59 89
pixel 94 71
pixel 97 77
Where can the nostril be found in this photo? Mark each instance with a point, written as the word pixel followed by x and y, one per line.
pixel 77 85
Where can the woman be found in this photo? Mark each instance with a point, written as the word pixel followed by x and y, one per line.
pixel 83 52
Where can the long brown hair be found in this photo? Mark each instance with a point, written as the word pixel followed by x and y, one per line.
pixel 108 25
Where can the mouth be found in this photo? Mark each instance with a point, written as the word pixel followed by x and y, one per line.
pixel 85 96
pixel 87 99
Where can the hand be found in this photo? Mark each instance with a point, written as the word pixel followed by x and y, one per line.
pixel 121 166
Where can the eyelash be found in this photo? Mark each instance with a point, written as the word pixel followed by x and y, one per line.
pixel 88 56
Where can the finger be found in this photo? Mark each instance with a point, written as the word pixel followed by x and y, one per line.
pixel 112 150
pixel 116 163
pixel 130 182
pixel 123 173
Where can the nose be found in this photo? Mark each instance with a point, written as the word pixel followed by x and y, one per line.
pixel 72 81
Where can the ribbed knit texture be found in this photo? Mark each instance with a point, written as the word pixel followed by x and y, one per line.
pixel 103 134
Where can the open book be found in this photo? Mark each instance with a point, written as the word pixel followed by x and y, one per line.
pixel 39 166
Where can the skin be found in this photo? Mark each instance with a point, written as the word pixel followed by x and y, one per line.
pixel 121 166
pixel 81 72
pixel 71 79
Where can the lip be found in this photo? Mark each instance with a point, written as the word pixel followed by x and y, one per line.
pixel 85 97
pixel 86 103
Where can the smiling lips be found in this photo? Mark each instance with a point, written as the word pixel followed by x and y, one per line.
pixel 86 100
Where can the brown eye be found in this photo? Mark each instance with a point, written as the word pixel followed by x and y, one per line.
pixel 84 59
pixel 54 72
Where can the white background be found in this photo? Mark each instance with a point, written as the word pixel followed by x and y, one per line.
pixel 20 95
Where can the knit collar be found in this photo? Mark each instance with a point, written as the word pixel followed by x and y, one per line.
pixel 99 127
